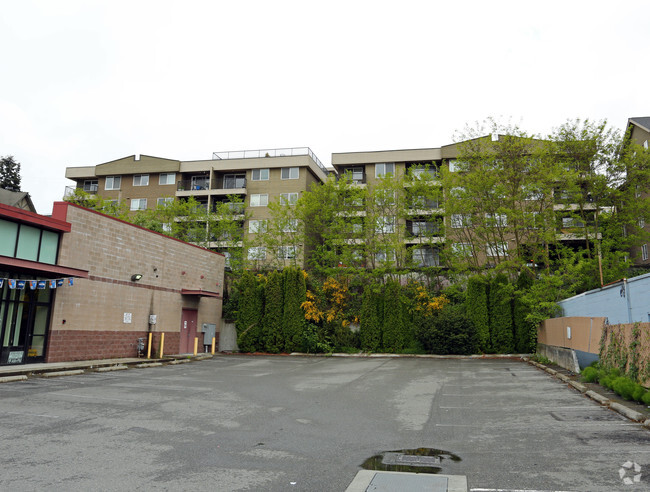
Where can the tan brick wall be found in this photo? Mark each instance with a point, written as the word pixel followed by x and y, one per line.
pixel 112 251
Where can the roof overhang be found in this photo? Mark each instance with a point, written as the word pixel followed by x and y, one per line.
pixel 16 265
pixel 200 293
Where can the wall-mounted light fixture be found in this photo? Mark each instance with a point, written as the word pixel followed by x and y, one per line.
pixel 135 277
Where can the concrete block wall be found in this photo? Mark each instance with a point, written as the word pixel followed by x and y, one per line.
pixel 98 309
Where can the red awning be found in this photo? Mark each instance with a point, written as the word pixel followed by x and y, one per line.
pixel 16 265
pixel 199 292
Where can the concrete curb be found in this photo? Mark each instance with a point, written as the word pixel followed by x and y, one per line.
pixel 599 398
pixel 11 379
pixel 148 364
pixel 615 406
pixel 627 412
pixel 56 374
pixel 119 367
pixel 179 361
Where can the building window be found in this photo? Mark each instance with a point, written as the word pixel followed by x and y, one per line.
pixel 356 173
pixel 138 203
pixel 257 253
pixel 90 186
pixel 644 252
pixel 496 220
pixel 166 227
pixel 256 226
pixel 459 221
pixel 287 252
pixel 462 249
pixel 385 225
pixel 385 256
pixel 113 182
pixel 290 225
pixel 141 180
pixel 260 175
pixel 160 202
pixel 641 222
pixel 167 178
pixel 498 249
pixel 453 166
pixel 357 227
pixel 259 200
pixel 423 228
pixel 290 172
pixel 568 222
pixel 385 198
pixel 383 169
pixel 425 257
pixel 288 198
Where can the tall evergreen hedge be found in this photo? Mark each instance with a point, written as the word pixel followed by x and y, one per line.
pixel 249 313
pixel 293 319
pixel 394 336
pixel 501 329
pixel 477 311
pixel 525 331
pixel 273 313
pixel 370 326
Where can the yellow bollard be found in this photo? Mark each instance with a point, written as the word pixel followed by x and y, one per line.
pixel 162 344
pixel 196 344
pixel 213 342
pixel 149 346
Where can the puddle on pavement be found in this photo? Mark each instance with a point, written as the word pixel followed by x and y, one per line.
pixel 419 460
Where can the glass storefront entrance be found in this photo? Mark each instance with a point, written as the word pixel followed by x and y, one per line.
pixel 24 320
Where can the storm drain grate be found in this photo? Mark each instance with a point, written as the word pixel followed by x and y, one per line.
pixel 409 459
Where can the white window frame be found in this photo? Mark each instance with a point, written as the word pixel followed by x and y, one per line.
pixel 382 169
pixel 166 181
pixel 164 200
pixel 256 226
pixel 644 252
pixel 140 202
pixel 496 220
pixel 385 225
pixel 497 249
pixel 291 173
pixel 288 198
pixel 140 180
pixel 257 253
pixel 112 180
pixel 641 222
pixel 458 221
pixel 261 174
pixel 167 227
pixel 259 200
pixel 291 225
pixel 91 185
pixel 287 252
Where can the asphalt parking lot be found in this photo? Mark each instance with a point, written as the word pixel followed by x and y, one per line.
pixel 307 424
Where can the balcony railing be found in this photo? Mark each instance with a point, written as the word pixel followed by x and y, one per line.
pixel 193 184
pixel 256 154
pixel 233 182
pixel 91 188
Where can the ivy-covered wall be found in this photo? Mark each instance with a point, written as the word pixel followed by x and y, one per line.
pixel 627 347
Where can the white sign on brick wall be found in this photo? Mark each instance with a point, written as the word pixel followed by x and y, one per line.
pixel 127 317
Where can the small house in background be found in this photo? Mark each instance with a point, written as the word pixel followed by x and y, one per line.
pixel 82 285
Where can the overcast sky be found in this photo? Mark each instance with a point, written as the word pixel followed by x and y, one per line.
pixel 86 82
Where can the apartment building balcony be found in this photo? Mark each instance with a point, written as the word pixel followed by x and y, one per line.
pixel 270 153
pixel 229 184
pixel 356 175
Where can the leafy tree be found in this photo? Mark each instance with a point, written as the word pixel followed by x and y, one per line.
pixel 9 173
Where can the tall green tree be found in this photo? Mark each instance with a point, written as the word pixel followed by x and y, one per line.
pixel 500 303
pixel 250 313
pixel 9 173
pixel 370 324
pixel 293 322
pixel 478 310
pixel 272 332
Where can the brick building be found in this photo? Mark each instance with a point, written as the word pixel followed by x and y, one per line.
pixel 127 282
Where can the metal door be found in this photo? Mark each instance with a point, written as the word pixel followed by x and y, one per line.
pixel 188 330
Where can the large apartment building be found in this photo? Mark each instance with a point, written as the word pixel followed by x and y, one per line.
pixel 257 177
pixel 425 227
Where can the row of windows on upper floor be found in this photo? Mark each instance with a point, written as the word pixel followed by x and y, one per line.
pixel 115 182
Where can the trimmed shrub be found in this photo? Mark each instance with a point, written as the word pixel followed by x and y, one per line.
pixel 477 310
pixel 449 332
pixel 500 297
pixel 590 374
pixel 525 332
